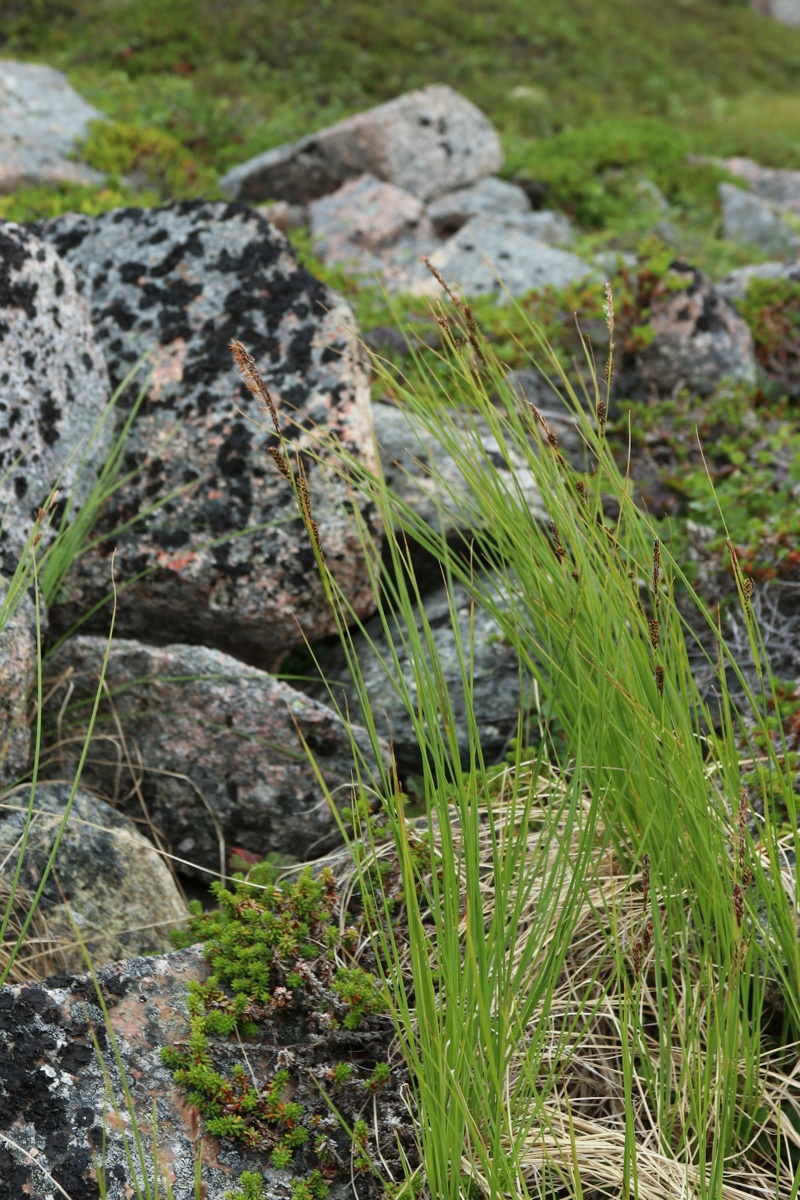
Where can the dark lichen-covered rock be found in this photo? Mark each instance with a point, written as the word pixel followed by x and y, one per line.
pixel 107 879
pixel 210 747
pixel 53 388
pixel 18 656
pixel 226 559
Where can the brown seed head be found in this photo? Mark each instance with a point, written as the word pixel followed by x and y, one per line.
pixel 253 381
pixel 654 630
pixel 280 462
pixel 738 903
pixel 660 679
pixel 601 416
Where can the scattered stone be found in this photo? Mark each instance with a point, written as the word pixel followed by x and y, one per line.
pixel 756 222
pixel 785 11
pixel 699 341
pixel 107 879
pixel 226 560
pixel 494 669
pixel 370 228
pixel 734 286
pixel 54 389
pixel 206 749
pixel 286 217
pixel 491 197
pixel 42 120
pixel 779 187
pixel 488 247
pixel 428 142
pixel 18 657
pixel 426 477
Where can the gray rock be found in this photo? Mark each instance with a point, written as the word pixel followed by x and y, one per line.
pixel 107 879
pixel 370 228
pixel 495 671
pixel 491 197
pixel 424 475
pixel 734 286
pixel 699 341
pixel 488 247
pixel 785 11
pixel 54 388
pixel 179 283
pixel 428 142
pixel 18 657
pixel 42 119
pixel 208 749
pixel 779 187
pixel 756 222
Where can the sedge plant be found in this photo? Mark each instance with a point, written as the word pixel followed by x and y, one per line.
pixel 596 984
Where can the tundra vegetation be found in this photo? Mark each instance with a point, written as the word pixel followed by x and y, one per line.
pixel 588 953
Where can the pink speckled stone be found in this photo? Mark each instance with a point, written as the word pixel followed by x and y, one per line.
pixel 201 748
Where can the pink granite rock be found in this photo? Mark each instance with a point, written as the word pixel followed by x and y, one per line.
pixel 371 229
pixel 699 341
pixel 204 751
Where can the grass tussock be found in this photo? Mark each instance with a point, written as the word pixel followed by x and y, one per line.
pixel 599 993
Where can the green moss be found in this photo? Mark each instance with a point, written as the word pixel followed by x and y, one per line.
pixel 271 948
pixel 251 1187
pixel 143 151
pixel 41 203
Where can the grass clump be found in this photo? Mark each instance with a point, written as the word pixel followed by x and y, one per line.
pixel 600 988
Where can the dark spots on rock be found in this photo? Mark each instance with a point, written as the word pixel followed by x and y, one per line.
pixel 49 413
pixel 232 454
pixel 330 354
pixel 130 216
pixel 299 350
pixel 71 238
pixel 15 293
pixel 20 486
pixel 710 319
pixel 159 236
pixel 170 539
pixel 122 316
pixel 86 359
pixel 193 246
pixel 131 272
pixel 29 358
